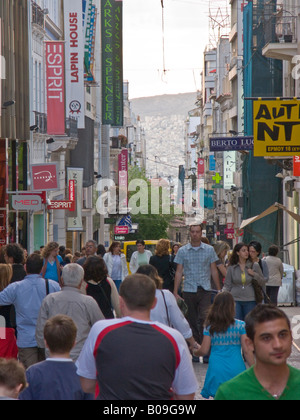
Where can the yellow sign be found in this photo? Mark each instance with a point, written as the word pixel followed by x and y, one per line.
pixel 276 128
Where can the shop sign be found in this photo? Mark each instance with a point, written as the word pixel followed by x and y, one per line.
pixel 27 203
pixel 276 128
pixel 55 84
pixel 296 171
pixel 44 177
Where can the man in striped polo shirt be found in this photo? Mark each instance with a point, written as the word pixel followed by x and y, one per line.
pixel 133 358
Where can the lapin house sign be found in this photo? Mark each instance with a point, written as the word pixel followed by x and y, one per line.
pixel 74 61
pixel 112 62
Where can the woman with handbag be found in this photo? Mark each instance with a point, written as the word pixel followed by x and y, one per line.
pixel 244 280
pixel 52 262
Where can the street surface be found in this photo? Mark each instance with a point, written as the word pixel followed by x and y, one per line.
pixel 294 314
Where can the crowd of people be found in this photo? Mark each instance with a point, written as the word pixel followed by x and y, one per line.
pixel 79 327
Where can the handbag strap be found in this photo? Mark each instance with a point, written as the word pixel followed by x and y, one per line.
pixel 169 322
pixel 47 287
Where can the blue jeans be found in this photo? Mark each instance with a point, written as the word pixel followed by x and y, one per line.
pixel 243 308
pixel 118 284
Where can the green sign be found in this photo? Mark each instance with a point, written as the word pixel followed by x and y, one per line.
pixel 112 62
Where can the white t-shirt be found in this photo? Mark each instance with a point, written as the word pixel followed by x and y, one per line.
pixel 147 358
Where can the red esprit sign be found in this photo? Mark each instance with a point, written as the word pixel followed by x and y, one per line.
pixel 44 177
pixel 296 171
pixel 55 83
pixel 62 205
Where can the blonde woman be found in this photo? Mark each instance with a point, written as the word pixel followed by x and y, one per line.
pixel 52 262
pixel 163 263
pixel 8 342
pixel 222 248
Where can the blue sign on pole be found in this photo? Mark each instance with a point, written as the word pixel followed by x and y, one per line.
pixel 231 144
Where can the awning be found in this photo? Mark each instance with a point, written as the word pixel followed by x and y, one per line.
pixel 269 211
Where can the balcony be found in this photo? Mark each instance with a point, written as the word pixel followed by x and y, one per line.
pixel 38 15
pixel 281 36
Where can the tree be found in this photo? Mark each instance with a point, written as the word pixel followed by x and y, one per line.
pixel 151 226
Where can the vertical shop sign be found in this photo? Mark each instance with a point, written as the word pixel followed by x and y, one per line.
pixel 74 61
pixel 3 191
pixel 112 62
pixel 75 175
pixel 296 171
pixel 123 182
pixel 55 82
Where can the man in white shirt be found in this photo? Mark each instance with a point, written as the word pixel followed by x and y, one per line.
pixel 150 360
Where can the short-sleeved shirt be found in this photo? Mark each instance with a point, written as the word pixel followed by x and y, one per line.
pixel 197 266
pixel 232 337
pixel 137 360
pixel 53 379
pixel 246 387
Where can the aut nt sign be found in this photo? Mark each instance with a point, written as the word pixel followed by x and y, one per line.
pixel 276 128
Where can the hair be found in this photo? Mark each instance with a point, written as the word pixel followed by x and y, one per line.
pixel 6 274
pixel 95 269
pixel 151 271
pixel 51 246
pixel 113 246
pixel 176 244
pixel 91 241
pixel 12 374
pixel 162 247
pixel 221 314
pixel 60 334
pixel 101 250
pixel 234 259
pixel 140 242
pixel 196 225
pixel 257 246
pixel 138 292
pixel 34 264
pixel 205 240
pixel 16 252
pixel 220 247
pixel 261 314
pixel 273 251
pixel 72 275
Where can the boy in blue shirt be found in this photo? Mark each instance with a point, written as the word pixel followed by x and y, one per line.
pixel 56 378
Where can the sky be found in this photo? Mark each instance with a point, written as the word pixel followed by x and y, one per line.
pixel 185 38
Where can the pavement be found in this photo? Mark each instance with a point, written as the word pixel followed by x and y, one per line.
pixel 294 315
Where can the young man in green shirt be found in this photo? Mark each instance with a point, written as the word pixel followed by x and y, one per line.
pixel 269 336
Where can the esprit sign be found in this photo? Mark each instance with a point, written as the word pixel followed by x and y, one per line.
pixel 55 83
pixel 27 202
pixel 62 205
pixel 276 128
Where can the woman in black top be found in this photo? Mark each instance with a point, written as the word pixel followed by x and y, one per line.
pixel 163 263
pixel 101 287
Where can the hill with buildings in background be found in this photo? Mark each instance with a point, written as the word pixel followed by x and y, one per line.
pixel 163 119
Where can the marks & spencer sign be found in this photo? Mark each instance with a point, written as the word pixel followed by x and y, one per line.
pixel 112 62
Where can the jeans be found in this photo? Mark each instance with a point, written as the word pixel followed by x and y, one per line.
pixel 243 308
